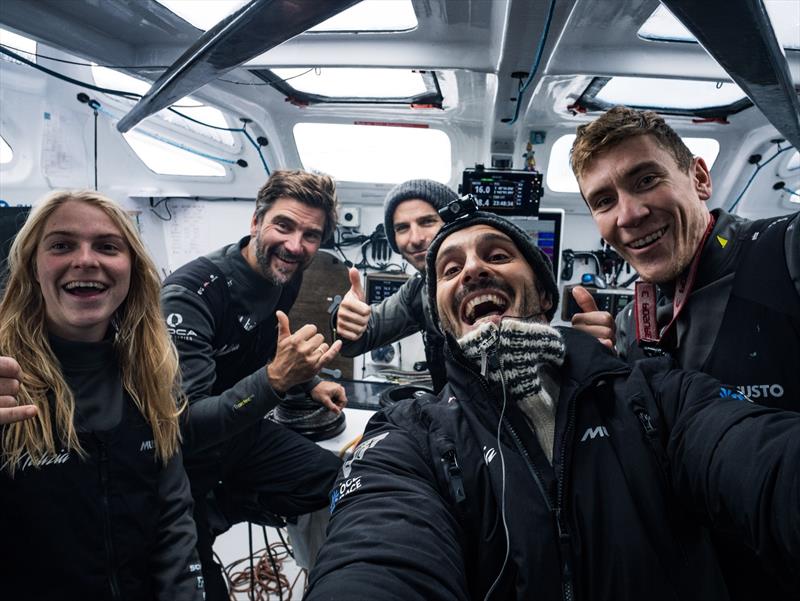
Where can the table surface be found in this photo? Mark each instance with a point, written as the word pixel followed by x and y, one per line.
pixel 355 422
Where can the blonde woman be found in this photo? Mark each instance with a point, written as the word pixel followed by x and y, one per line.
pixel 94 502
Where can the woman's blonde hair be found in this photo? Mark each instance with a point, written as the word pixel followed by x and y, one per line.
pixel 148 360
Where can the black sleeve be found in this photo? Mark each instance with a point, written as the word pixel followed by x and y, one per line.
pixel 625 325
pixel 736 464
pixel 792 248
pixel 392 535
pixel 392 319
pixel 174 562
pixel 210 418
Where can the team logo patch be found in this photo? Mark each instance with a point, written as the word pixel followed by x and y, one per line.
pixel 597 432
pixel 344 488
pixel 727 393
pixel 174 320
pixel 360 451
pixel 761 391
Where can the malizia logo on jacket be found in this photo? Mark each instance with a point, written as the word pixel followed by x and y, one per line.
pixel 53 459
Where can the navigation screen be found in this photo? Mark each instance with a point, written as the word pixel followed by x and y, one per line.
pixel 380 286
pixel 504 192
pixel 546 232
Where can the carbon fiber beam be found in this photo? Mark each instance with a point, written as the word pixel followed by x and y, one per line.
pixel 739 35
pixel 250 31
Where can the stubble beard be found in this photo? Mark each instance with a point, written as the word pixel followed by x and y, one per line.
pixel 274 276
pixel 530 306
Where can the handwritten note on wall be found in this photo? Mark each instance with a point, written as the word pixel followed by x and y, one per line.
pixel 198 227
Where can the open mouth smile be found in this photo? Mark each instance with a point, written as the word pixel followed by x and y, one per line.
pixel 648 239
pixel 84 288
pixel 483 304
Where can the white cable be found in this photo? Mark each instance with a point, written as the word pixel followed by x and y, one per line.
pixel 503 480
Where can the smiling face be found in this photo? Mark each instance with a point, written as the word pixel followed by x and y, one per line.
pixel 285 239
pixel 651 212
pixel 481 275
pixel 416 222
pixel 83 267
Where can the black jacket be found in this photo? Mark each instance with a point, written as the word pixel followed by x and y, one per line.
pixel 741 325
pixel 643 457
pixel 741 322
pixel 114 525
pixel 221 315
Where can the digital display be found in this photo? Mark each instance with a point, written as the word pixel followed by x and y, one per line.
pixel 546 232
pixel 380 286
pixel 504 192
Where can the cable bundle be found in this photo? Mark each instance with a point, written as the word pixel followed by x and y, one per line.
pixel 263 579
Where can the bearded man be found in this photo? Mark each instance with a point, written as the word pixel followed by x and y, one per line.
pixel 548 468
pixel 226 313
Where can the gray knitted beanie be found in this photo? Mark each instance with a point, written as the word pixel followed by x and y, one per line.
pixel 539 262
pixel 436 194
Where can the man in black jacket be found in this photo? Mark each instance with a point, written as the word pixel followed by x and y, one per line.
pixel 411 220
pixel 226 313
pixel 720 294
pixel 549 468
pixel 727 289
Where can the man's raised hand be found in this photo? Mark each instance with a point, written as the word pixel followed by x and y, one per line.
pixel 353 315
pixel 299 356
pixel 599 324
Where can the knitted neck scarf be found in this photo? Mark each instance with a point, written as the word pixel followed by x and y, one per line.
pixel 526 357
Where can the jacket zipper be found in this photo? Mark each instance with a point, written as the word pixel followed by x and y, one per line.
pixel 455 477
pixel 112 569
pixel 555 511
pixel 563 532
pixel 568 591
pixel 655 448
pixel 565 576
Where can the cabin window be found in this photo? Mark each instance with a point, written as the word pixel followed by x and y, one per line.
pixel 116 80
pixel 345 85
pixel 6 154
pixel 23 46
pixel 165 159
pixel 379 153
pixel 670 93
pixel 203 14
pixel 357 83
pixel 704 99
pixel 560 178
pixel 368 15
pixel 663 26
pixel 371 15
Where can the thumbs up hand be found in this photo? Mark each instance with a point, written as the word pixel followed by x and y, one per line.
pixel 299 356
pixel 599 324
pixel 353 315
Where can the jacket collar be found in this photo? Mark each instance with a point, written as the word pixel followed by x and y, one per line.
pixel 719 252
pixel 586 361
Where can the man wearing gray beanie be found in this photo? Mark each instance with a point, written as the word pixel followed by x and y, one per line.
pixel 549 468
pixel 411 220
